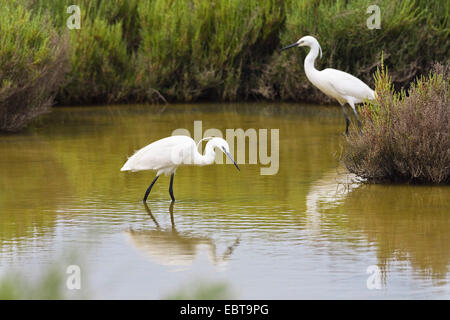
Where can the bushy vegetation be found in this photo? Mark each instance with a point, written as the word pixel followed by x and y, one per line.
pixel 102 66
pixel 153 50
pixel 406 135
pixel 32 65
pixel 190 50
pixel 200 49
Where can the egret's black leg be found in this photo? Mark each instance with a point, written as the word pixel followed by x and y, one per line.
pixel 347 120
pixel 150 188
pixel 171 187
pixel 359 125
pixel 357 118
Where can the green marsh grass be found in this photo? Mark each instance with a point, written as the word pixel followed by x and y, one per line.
pixel 101 60
pixel 197 49
pixel 32 65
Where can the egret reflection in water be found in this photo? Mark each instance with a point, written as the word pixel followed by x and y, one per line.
pixel 326 193
pixel 173 248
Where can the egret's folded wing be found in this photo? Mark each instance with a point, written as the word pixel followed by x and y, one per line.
pixel 159 154
pixel 347 85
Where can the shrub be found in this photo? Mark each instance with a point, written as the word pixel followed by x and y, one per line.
pixel 101 62
pixel 32 65
pixel 406 135
pixel 100 68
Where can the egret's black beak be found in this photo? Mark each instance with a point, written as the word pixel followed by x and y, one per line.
pixel 231 158
pixel 290 46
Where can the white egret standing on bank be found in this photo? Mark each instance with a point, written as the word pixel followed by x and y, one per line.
pixel 167 154
pixel 340 85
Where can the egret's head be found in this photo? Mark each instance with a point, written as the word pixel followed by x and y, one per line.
pixel 306 41
pixel 223 146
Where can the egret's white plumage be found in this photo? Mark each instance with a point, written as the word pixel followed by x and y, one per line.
pixel 167 154
pixel 337 84
pixel 160 155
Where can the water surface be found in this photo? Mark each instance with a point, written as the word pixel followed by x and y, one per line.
pixel 309 231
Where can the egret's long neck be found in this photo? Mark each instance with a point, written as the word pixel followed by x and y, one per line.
pixel 208 157
pixel 310 70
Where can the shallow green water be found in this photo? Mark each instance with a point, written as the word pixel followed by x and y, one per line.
pixel 309 231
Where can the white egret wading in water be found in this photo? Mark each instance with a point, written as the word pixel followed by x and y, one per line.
pixel 166 155
pixel 340 85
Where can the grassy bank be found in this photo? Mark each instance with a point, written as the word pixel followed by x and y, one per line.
pixel 226 50
pixel 406 135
